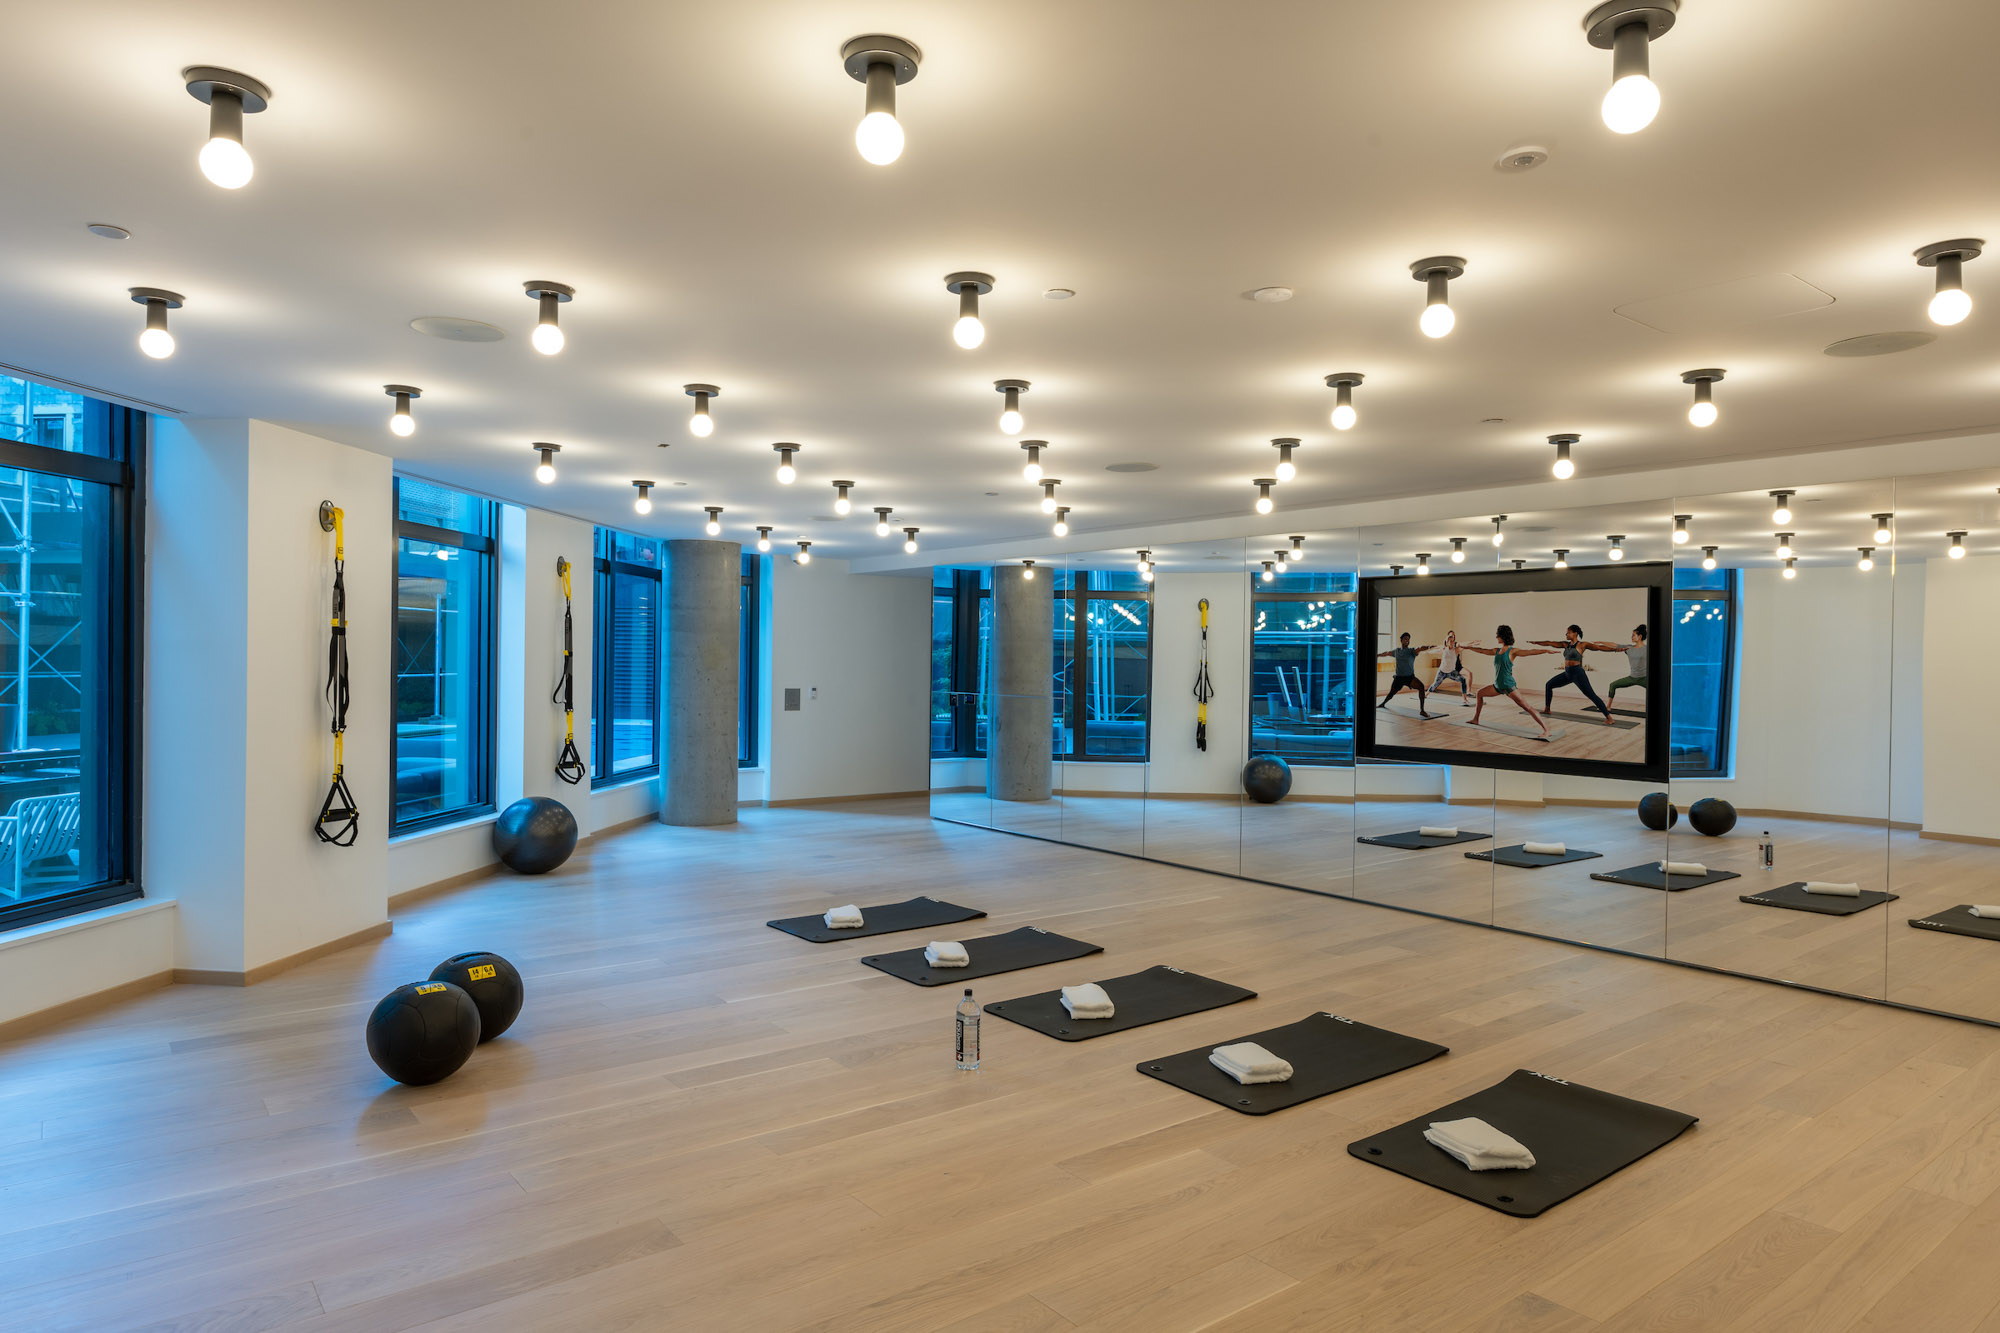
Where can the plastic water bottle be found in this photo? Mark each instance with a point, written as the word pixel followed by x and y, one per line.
pixel 968 1032
pixel 1767 851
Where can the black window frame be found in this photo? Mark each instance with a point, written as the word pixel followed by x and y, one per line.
pixel 1730 596
pixel 485 717
pixel 1073 693
pixel 604 613
pixel 964 687
pixel 1262 594
pixel 748 737
pixel 122 471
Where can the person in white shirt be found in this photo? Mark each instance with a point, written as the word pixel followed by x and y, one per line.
pixel 1453 666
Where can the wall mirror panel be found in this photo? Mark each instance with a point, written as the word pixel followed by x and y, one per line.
pixel 1104 701
pixel 1031 659
pixel 960 719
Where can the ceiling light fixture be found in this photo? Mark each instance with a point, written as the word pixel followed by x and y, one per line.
pixel 1285 471
pixel 1395 571
pixel 805 555
pixel 1867 561
pixel 1061 528
pixel 1458 550
pixel 1049 485
pixel 1617 551
pixel 1146 574
pixel 701 423
pixel 787 474
pixel 714 525
pixel 909 541
pixel 1145 562
pixel 230 96
pixel 1269 573
pixel 841 504
pixel 1791 569
pixel 1708 556
pixel 1436 274
pixel 1626 28
pixel 1011 420
pixel 1957 551
pixel 882 513
pixel 1283 561
pixel 1562 557
pixel 1520 564
pixel 644 504
pixel 1950 304
pixel 1701 412
pixel 1565 466
pixel 880 62
pixel 1883 534
pixel 1785 551
pixel 1423 562
pixel 1499 529
pixel 1781 508
pixel 1264 484
pixel 968 332
pixel 154 340
pixel 763 539
pixel 1032 469
pixel 1028 570
pixel 1343 417
pixel 545 471
pixel 1681 534
pixel 1298 551
pixel 401 422
pixel 548 335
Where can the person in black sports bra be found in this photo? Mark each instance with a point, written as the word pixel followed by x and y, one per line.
pixel 1572 673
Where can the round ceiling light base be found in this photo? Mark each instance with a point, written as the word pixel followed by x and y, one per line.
pixel 171 300
pixel 955 283
pixel 541 287
pixel 692 389
pixel 880 49
pixel 203 80
pixel 1601 24
pixel 1930 254
pixel 1696 376
pixel 1449 265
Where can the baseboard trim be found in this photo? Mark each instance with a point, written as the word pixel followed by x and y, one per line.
pixel 202 976
pixel 401 900
pixel 1954 837
pixel 61 1013
pixel 845 800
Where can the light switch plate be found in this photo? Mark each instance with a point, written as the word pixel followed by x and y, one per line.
pixel 791 701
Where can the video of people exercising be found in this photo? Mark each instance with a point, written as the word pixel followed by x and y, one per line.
pixel 1560 679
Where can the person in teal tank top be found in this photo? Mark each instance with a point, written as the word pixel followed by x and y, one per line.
pixel 1503 677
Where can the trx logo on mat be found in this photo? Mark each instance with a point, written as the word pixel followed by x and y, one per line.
pixel 430 989
pixel 1338 1019
pixel 1933 925
pixel 1759 898
pixel 484 972
pixel 1550 1078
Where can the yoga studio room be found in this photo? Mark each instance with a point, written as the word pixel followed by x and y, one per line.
pixel 893 667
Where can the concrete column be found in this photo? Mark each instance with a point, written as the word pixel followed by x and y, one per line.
pixel 1020 751
pixel 701 588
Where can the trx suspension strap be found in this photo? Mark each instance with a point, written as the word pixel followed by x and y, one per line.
pixel 339 822
pixel 569 764
pixel 1203 691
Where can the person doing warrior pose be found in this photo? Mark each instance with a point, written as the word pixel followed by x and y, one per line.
pixel 1572 646
pixel 1406 674
pixel 1452 666
pixel 1503 676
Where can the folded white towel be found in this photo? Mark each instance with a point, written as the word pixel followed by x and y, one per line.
pixel 1986 910
pixel 1684 868
pixel 844 918
pixel 1833 890
pixel 1087 1001
pixel 1247 1062
pixel 1479 1145
pixel 946 953
pixel 1545 848
pixel 1438 831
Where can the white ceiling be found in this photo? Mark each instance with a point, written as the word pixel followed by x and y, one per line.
pixel 690 169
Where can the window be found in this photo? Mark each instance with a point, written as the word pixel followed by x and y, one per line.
pixel 626 666
pixel 70 543
pixel 442 654
pixel 1104 681
pixel 1302 668
pixel 746 672
pixel 961 639
pixel 1704 646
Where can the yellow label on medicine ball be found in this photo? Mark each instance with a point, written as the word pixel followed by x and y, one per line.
pixel 484 972
pixel 430 988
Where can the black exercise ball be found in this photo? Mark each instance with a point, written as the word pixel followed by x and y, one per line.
pixel 423 1032
pixel 1712 815
pixel 1656 812
pixel 492 983
pixel 1267 778
pixel 534 835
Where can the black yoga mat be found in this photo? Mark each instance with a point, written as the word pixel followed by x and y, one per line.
pixel 1578 1135
pixel 1327 1053
pixel 1414 841
pixel 1152 996
pixel 1520 860
pixel 915 914
pixel 1959 921
pixel 1795 897
pixel 1650 876
pixel 1030 946
pixel 1596 719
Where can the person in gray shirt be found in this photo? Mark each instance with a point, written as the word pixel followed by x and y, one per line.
pixel 1637 653
pixel 1405 676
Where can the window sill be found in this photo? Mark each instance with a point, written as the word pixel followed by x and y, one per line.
pixel 623 780
pixel 63 925
pixel 439 830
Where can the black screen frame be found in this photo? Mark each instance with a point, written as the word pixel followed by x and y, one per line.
pixel 1655 578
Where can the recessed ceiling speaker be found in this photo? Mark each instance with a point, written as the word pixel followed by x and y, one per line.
pixel 453 329
pixel 1880 344
pixel 1525 158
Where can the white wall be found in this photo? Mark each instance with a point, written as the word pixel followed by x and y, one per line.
pixel 54 962
pixel 863 642
pixel 1961 642
pixel 1177 766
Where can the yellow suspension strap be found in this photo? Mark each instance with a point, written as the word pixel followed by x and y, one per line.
pixel 1203 690
pixel 569 764
pixel 339 821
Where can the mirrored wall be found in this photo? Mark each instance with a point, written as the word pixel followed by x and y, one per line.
pixel 1832 812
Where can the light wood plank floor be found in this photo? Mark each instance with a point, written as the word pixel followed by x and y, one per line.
pixel 700 1123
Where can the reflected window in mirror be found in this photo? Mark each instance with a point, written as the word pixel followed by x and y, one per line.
pixel 1302 668
pixel 961 644
pixel 1103 660
pixel 1704 665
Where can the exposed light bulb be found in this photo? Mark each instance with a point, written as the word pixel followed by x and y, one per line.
pixel 879 138
pixel 1298 551
pixel 1785 546
pixel 1499 531
pixel 1564 467
pixel 1617 554
pixel 547 338
pixel 1950 306
pixel 843 506
pixel 1781 510
pixel 1867 561
pixel 909 541
pixel 1701 414
pixel 712 528
pixel 714 525
pixel 545 473
pixel 763 540
pixel 227 163
pixel 968 332
pixel 1458 550
pixel 1791 569
pixel 1146 575
pixel 1061 528
pixel 1032 469
pixel 1285 471
pixel 805 555
pixel 1269 573
pixel 1437 320
pixel 1562 559
pixel 1011 422
pixel 402 423
pixel 1957 551
pixel 643 505
pixel 1264 505
pixel 1344 417
pixel 157 343
pixel 882 522
pixel 1708 557
pixel 1048 504
pixel 701 423
pixel 1630 104
pixel 1028 570
pixel 787 474
pixel 1617 551
pixel 1423 564
pixel 1681 529
pixel 1883 536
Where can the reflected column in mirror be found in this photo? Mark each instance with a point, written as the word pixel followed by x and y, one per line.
pixel 961 631
pixel 1301 712
pixel 1194 788
pixel 1029 660
pixel 1105 700
pixel 1782 643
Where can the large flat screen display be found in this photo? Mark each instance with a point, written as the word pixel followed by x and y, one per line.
pixel 1555 671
